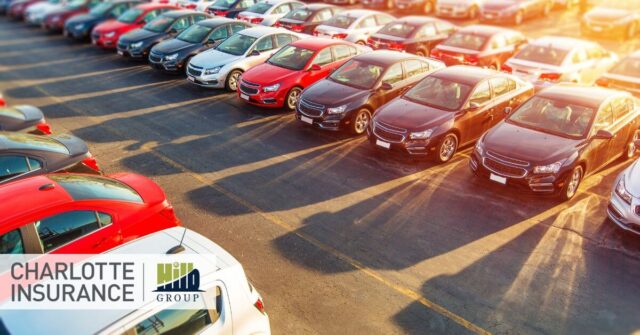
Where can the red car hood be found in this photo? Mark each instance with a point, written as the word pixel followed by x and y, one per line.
pixel 266 74
pixel 113 25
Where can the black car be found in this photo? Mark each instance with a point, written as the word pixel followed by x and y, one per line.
pixel 229 8
pixel 448 109
pixel 513 11
pixel 173 55
pixel 560 135
pixel 25 155
pixel 611 22
pixel 624 76
pixel 80 26
pixel 23 118
pixel 414 34
pixel 350 95
pixel 305 19
pixel 138 43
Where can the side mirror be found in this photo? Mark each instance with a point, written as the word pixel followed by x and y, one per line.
pixel 508 110
pixel 255 53
pixel 473 106
pixel 603 135
pixel 315 67
pixel 386 87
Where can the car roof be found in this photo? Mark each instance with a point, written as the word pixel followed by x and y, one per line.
pixel 261 31
pixel 30 142
pixel 318 43
pixel 465 74
pixel 152 5
pixel 24 195
pixel 485 30
pixel 318 6
pixel 562 43
pixel 358 13
pixel 417 20
pixel 591 96
pixel 385 57
pixel 216 21
pixel 180 12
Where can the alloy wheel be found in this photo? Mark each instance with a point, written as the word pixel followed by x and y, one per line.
pixel 573 183
pixel 448 148
pixel 361 122
pixel 292 98
pixel 232 81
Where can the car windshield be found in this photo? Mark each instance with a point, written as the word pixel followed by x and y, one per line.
pixel 237 44
pixel 358 74
pixel 340 21
pixel 130 15
pixel 300 14
pixel 627 67
pixel 223 3
pixel 542 54
pixel 159 25
pixel 195 34
pixel 85 187
pixel 291 57
pixel 33 142
pixel 466 41
pixel 77 4
pixel 554 117
pixel 12 113
pixel 259 8
pixel 439 93
pixel 100 9
pixel 397 29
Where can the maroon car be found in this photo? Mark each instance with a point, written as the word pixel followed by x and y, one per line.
pixel 17 8
pixel 480 45
pixel 55 21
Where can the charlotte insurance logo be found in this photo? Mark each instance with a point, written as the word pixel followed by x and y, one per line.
pixel 177 282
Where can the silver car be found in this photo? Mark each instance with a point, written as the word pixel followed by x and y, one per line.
pixel 624 206
pixel 221 67
pixel 36 13
pixel 267 12
pixel 353 25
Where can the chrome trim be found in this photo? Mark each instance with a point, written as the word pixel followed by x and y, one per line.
pixel 311 105
pixel 507 160
pixel 502 173
pixel 387 128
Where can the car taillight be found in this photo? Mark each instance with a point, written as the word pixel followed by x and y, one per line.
pixel 339 35
pixel 471 59
pixel 506 68
pixel 315 33
pixel 277 24
pixel 260 306
pixel 396 46
pixel 190 6
pixel 256 20
pixel 2 102
pixel 91 163
pixel 220 13
pixel 44 128
pixel 602 81
pixel 298 28
pixel 551 76
pixel 168 213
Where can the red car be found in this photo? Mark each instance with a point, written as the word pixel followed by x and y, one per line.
pixel 54 21
pixel 106 34
pixel 279 82
pixel 18 8
pixel 480 45
pixel 80 214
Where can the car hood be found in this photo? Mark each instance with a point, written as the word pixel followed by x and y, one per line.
pixel 330 93
pixel 409 115
pixel 528 145
pixel 30 113
pixel 172 45
pixel 265 74
pixel 75 145
pixel 213 58
pixel 139 35
pixel 84 18
pixel 388 37
pixel 497 4
pixel 111 25
pixel 607 14
pixel 632 179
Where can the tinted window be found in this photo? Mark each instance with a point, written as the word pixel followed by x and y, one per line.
pixel 481 94
pixel 130 15
pixel 282 9
pixel 393 74
pixel 119 10
pixel 58 230
pixel 32 142
pixel 198 18
pixel 195 34
pixel 439 93
pixel 368 22
pixel 12 113
pixel 502 85
pixel 237 44
pixel 324 57
pixel 291 57
pixel 284 39
pixel 34 164
pixel 84 187
pixel 397 29
pixel 357 74
pixel 340 21
pixel 181 23
pixel 556 117
pixel 344 51
pixel 11 243
pixel 159 24
pixel 414 67
pixel 498 42
pixel 322 15
pixel 301 14
pixel 259 8
pixel 152 15
pixel 466 41
pixel 11 166
pixel 173 322
pixel 236 27
pixel 264 44
pixel 542 54
pixel 219 34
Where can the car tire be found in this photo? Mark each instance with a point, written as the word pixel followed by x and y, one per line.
pixel 428 7
pixel 360 121
pixel 572 183
pixel 363 43
pixel 495 65
pixel 473 12
pixel 291 100
pixel 447 148
pixel 518 18
pixel 231 83
pixel 630 148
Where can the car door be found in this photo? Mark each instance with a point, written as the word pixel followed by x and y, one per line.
pixel 504 95
pixel 324 59
pixel 597 150
pixel 478 114
pixel 394 76
pixel 424 39
pixel 623 125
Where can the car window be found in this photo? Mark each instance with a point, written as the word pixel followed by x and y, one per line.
pixel 181 23
pixel 367 22
pixel 11 166
pixel 236 27
pixel 119 9
pixel 282 9
pixel 219 34
pixel 246 3
pixel 414 67
pixel 579 56
pixel 58 230
pixel 11 243
pixel 620 108
pixel 86 187
pixel 481 94
pixel 265 43
pixel 393 74
pixel 604 119
pixel 198 18
pixel 322 15
pixel 444 27
pixel 383 19
pixel 284 39
pixel 502 86
pixel 152 15
pixel 34 164
pixel 596 53
pixel 174 321
pixel 428 30
pixel 344 51
pixel 323 57
pixel 498 42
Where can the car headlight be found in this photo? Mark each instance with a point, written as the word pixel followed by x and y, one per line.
pixel 479 148
pixel 546 169
pixel 212 71
pixel 110 35
pixel 79 26
pixel 337 110
pixel 421 135
pixel 622 192
pixel 136 45
pixel 271 88
pixel 171 57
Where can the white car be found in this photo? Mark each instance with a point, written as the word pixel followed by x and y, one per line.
pixel 549 60
pixel 353 25
pixel 267 12
pixel 234 307
pixel 199 5
pixel 624 206
pixel 221 67
pixel 458 8
pixel 36 13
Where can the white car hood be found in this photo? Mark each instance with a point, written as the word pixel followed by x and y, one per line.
pixel 40 8
pixel 213 58
pixel 632 179
pixel 331 30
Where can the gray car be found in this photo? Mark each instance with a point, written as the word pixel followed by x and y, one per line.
pixel 26 155
pixel 624 205
pixel 23 118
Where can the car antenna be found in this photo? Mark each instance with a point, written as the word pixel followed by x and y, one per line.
pixel 178 248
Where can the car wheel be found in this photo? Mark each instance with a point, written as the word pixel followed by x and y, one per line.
pixel 361 43
pixel 473 12
pixel 447 148
pixel 428 7
pixel 360 121
pixel 518 18
pixel 495 66
pixel 421 53
pixel 547 8
pixel 630 148
pixel 292 98
pixel 572 183
pixel 232 80
pixel 632 31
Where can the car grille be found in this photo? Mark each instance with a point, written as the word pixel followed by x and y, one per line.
pixel 194 71
pixel 311 109
pixel 504 169
pixel 155 58
pixel 249 87
pixel 507 160
pixel 389 133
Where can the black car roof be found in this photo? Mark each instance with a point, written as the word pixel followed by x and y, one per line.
pixel 384 57
pixel 464 74
pixel 590 96
pixel 181 12
pixel 216 22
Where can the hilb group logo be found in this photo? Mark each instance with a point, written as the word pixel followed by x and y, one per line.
pixel 177 277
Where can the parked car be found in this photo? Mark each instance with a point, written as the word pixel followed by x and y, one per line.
pixel 174 54
pixel 354 25
pixel 69 213
pixel 611 22
pixel 17 8
pixel 448 109
pixel 25 155
pixel 199 5
pixel 480 45
pixel 379 4
pixel 23 118
pixel 79 27
pixel 279 81
pixel 4 5
pixel 136 44
pixel 423 6
pixel 513 11
pixel 307 18
pixel 342 2
pixel 555 139
pixel 106 34
pixel 221 67
pixel 413 34
pixel 550 60
pixel 55 20
pixel 35 14
pixel 231 305
pixel 458 9
pixel 267 12
pixel 350 95
pixel 624 205
pixel 229 8
pixel 624 76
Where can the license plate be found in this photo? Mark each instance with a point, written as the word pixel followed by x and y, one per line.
pixel 306 119
pixel 120 53
pixel 498 179
pixel 383 144
pixel 190 78
pixel 244 96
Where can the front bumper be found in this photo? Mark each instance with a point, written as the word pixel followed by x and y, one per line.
pixel 125 51
pixel 157 62
pixel 104 42
pixel 195 76
pixel 253 94
pixel 403 147
pixel 623 214
pixel 78 34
